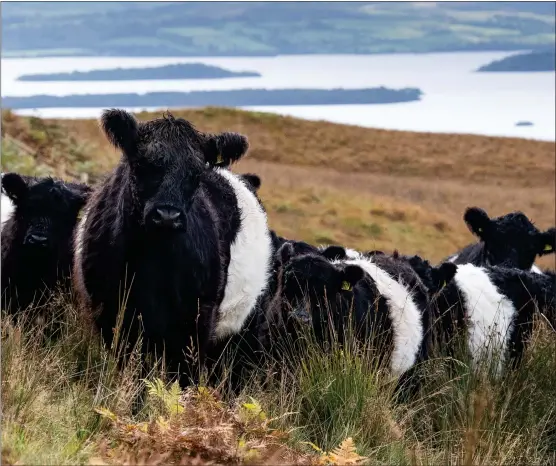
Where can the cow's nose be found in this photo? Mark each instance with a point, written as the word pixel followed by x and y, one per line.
pixel 38 240
pixel 169 217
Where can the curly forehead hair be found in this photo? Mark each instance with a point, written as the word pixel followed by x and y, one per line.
pixel 170 129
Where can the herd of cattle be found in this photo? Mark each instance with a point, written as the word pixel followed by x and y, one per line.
pixel 181 245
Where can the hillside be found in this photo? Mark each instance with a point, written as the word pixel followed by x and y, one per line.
pixel 271 28
pixel 323 183
pixel 361 187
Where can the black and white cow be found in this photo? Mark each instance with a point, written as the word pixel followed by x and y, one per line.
pixel 37 249
pixel 508 241
pixel 493 306
pixel 188 240
pixel 383 299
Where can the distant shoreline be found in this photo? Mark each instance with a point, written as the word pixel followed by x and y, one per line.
pixel 529 62
pixel 91 54
pixel 164 72
pixel 233 98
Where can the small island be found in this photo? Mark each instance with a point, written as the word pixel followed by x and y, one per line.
pixel 232 98
pixel 176 71
pixel 524 123
pixel 524 62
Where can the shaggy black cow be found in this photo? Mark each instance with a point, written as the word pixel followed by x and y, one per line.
pixel 37 248
pixel 508 241
pixel 186 241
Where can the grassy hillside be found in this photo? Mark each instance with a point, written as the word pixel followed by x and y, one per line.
pixel 322 182
pixel 270 28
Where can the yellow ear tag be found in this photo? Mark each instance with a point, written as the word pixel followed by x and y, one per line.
pixel 548 247
pixel 346 286
pixel 80 214
pixel 444 284
pixel 219 159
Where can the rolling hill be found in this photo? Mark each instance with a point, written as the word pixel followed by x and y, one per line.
pixel 366 188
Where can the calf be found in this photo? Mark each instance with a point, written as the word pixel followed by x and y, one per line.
pixel 37 249
pixel 383 299
pixel 494 305
pixel 188 240
pixel 508 241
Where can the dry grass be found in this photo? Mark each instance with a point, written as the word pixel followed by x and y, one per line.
pixel 509 161
pixel 64 402
pixel 323 182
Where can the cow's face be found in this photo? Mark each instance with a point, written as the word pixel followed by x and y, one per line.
pixel 46 210
pixel 167 159
pixel 510 240
pixel 314 277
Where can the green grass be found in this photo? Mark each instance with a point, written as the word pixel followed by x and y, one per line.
pixel 56 374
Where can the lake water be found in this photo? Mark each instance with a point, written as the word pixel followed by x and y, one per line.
pixel 455 99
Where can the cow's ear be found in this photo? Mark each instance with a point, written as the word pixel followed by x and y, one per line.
pixel 547 242
pixel 442 275
pixel 252 180
pixel 478 221
pixel 121 129
pixel 15 187
pixel 81 193
pixel 350 276
pixel 285 253
pixel 334 253
pixel 223 149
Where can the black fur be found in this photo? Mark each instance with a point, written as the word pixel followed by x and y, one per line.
pixel 508 241
pixel 45 209
pixel 252 180
pixel 225 148
pixel 529 293
pixel 405 270
pixel 177 273
pixel 326 289
pixel 271 334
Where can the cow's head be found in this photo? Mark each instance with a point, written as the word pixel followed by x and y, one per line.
pixel 167 158
pixel 46 210
pixel 510 240
pixel 315 278
pixel 433 277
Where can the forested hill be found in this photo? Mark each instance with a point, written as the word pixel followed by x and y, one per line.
pixel 265 28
